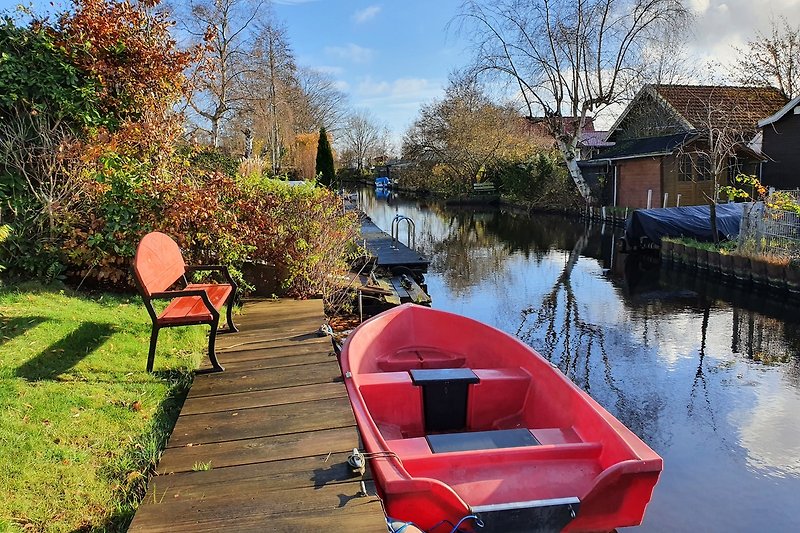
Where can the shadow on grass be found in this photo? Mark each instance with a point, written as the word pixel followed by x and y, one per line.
pixel 11 327
pixel 143 455
pixel 66 353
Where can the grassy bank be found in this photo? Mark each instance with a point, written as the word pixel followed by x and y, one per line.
pixel 81 422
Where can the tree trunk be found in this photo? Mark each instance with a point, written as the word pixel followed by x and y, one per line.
pixel 714 233
pixel 248 143
pixel 574 170
pixel 215 132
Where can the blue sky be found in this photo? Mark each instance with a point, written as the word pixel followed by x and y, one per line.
pixel 389 57
pixel 392 56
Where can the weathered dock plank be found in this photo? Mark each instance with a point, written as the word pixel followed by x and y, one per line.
pixel 264 398
pixel 262 446
pixel 232 382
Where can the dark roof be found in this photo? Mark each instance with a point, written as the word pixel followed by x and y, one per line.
pixel 738 107
pixel 647 146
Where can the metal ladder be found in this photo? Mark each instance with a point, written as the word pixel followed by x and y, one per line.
pixel 411 236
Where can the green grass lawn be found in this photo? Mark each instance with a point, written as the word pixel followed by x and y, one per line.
pixel 80 419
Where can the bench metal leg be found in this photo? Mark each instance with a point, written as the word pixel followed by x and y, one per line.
pixel 229 317
pixel 212 353
pixel 151 357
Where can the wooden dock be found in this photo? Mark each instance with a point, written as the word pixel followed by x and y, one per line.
pixel 390 254
pixel 263 446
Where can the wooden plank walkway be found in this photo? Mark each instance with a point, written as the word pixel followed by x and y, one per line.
pixel 263 446
pixel 379 243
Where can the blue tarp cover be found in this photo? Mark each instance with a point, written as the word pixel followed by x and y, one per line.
pixel 691 221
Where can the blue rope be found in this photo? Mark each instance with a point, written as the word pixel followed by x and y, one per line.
pixel 402 528
pixel 478 522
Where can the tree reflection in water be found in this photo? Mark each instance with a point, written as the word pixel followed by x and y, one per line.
pixel 566 335
pixel 705 372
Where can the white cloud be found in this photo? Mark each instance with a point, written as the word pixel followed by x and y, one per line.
pixel 368 13
pixel 351 52
pixel 329 69
pixel 396 102
pixel 722 24
pixel 418 89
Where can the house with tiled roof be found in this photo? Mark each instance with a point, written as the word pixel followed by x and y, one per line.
pixel 663 139
pixel 590 142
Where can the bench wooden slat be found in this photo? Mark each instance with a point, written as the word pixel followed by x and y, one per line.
pixel 187 309
pixel 484 186
pixel 158 263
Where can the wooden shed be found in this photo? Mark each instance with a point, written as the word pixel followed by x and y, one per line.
pixel 663 149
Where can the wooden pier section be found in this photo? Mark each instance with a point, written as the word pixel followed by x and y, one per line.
pixel 389 254
pixel 263 446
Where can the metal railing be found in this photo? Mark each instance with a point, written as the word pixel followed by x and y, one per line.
pixel 765 230
pixel 411 237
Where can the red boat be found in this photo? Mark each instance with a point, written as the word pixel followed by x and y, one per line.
pixel 464 423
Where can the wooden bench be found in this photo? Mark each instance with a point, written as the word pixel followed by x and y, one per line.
pixel 157 266
pixel 484 187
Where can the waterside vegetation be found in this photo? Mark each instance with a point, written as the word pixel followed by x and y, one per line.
pixel 93 156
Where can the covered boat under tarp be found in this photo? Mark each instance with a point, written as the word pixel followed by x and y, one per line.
pixel 463 422
pixel 650 225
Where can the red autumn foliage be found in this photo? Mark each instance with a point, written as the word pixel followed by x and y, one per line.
pixel 129 49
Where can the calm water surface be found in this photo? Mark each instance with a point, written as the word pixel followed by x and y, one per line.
pixel 705 373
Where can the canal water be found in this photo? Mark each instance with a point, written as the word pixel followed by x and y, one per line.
pixel 706 373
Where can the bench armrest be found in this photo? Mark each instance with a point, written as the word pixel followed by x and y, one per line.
pixel 219 268
pixel 188 292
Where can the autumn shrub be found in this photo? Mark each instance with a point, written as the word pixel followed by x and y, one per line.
pixel 99 78
pixel 90 161
pixel 214 218
pixel 301 228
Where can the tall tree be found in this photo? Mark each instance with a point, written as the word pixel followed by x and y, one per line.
pixel 566 58
pixel 274 97
pixel 772 59
pixel 364 136
pixel 459 137
pixel 722 151
pixel 279 74
pixel 225 28
pixel 324 168
pixel 325 103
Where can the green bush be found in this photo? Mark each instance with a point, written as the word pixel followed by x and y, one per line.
pixel 539 180
pixel 213 160
pixel 40 77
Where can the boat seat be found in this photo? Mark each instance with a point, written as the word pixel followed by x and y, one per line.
pixel 444 396
pixel 481 440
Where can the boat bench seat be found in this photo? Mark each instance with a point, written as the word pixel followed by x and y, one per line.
pixel 494 402
pixel 481 440
pixel 487 447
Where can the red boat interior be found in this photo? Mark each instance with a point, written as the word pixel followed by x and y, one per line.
pixel 481 413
